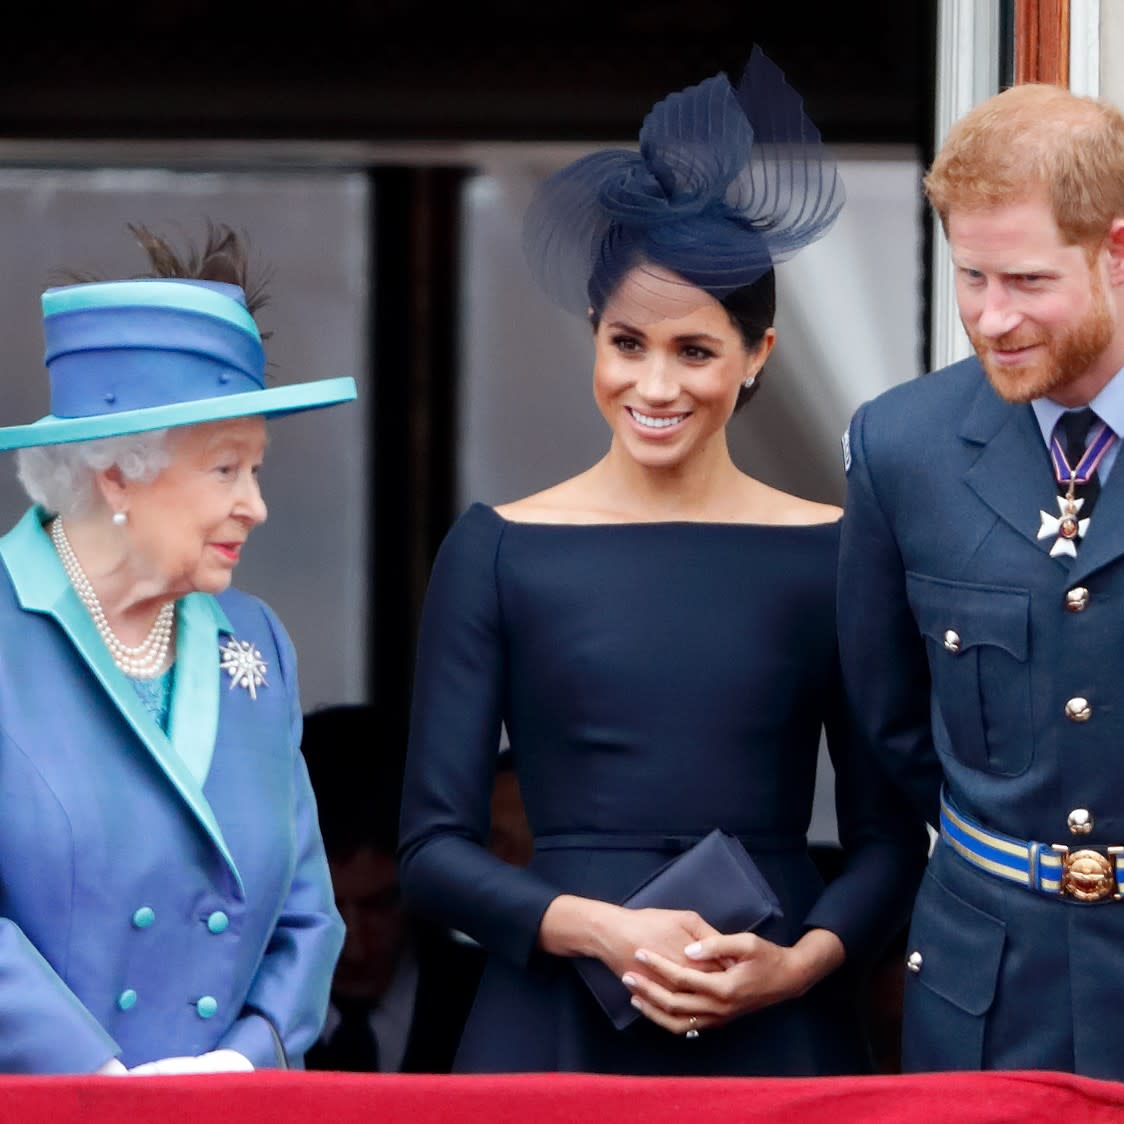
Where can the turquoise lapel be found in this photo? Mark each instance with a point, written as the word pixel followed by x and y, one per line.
pixel 194 720
pixel 42 586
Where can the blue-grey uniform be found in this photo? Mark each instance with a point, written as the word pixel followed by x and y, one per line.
pixel 160 894
pixel 988 672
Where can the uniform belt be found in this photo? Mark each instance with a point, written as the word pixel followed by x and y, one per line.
pixel 1084 874
pixel 671 842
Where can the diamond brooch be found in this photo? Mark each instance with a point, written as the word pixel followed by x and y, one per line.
pixel 244 664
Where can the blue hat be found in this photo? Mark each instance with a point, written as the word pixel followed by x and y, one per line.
pixel 130 356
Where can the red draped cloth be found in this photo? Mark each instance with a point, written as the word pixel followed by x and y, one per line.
pixel 271 1097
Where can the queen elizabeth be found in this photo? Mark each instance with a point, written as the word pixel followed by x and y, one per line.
pixel 165 904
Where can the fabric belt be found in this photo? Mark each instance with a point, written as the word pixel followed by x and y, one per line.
pixel 659 841
pixel 1089 873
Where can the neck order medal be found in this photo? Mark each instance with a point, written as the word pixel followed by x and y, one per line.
pixel 1068 525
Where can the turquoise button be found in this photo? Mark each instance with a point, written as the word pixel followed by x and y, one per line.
pixel 126 999
pixel 144 917
pixel 218 921
pixel 207 1006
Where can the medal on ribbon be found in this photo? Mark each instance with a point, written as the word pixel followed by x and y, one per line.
pixel 1067 525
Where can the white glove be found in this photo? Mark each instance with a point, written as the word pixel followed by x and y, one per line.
pixel 216 1061
pixel 112 1068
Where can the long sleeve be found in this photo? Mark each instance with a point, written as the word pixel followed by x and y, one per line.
pixel 288 998
pixel 446 870
pixel 885 669
pixel 44 1028
pixel 884 841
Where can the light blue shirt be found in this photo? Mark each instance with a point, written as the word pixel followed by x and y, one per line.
pixel 1108 406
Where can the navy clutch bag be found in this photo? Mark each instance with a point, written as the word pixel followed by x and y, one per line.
pixel 718 880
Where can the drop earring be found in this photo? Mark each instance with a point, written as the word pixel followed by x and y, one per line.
pixel 120 518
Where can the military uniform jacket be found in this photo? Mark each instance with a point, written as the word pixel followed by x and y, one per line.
pixel 961 656
pixel 144 913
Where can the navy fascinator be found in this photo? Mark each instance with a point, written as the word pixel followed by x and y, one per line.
pixel 727 182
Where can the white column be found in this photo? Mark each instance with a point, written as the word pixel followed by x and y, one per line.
pixel 1085 47
pixel 967 73
pixel 1112 52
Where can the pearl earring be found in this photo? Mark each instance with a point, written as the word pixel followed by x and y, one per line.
pixel 749 382
pixel 120 518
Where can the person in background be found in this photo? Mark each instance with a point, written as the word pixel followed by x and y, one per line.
pixel 981 577
pixel 164 897
pixel 403 986
pixel 657 636
pixel 509 834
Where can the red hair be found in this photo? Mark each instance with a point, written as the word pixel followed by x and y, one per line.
pixel 1033 139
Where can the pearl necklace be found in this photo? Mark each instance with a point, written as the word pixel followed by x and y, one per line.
pixel 146 661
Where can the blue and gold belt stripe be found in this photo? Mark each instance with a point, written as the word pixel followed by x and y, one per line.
pixel 1037 866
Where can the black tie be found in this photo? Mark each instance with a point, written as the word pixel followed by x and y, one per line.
pixel 1075 426
pixel 353 1048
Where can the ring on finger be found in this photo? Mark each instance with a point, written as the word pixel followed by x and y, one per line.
pixel 693 1031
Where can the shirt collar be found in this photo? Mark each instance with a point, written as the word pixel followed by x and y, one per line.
pixel 1108 405
pixel 392 1018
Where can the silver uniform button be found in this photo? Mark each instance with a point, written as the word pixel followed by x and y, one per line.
pixel 1080 821
pixel 952 640
pixel 1078 710
pixel 1077 599
pixel 914 961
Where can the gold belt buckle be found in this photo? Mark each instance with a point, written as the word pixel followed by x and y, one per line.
pixel 1088 873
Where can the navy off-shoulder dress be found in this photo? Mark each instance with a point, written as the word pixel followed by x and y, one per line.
pixel 655 679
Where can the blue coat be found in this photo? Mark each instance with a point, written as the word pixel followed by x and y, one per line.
pixel 945 485
pixel 144 914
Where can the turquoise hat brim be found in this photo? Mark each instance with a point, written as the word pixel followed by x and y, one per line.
pixel 273 401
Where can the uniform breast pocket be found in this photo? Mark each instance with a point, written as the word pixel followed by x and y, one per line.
pixel 978 639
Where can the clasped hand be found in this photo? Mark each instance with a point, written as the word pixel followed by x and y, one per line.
pixel 679 968
pixel 718 978
pixel 666 932
pixel 576 926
